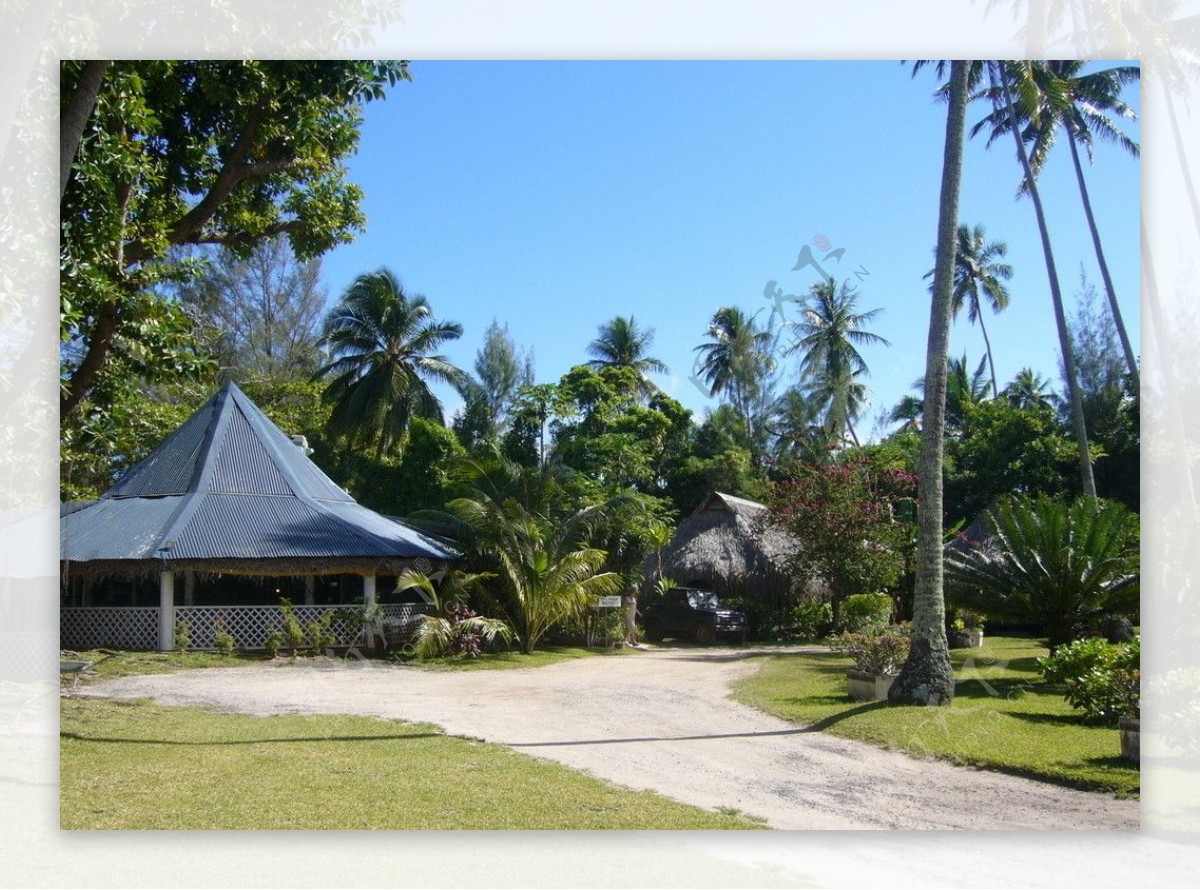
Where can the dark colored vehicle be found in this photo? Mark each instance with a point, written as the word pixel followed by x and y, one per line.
pixel 692 614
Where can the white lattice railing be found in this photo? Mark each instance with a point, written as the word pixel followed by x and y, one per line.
pixel 111 627
pixel 137 628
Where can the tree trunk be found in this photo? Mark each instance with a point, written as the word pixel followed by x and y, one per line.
pixel 987 344
pixel 927 677
pixel 1060 318
pixel 1130 359
pixel 75 117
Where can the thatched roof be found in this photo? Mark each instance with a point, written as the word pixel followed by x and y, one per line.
pixel 229 491
pixel 723 546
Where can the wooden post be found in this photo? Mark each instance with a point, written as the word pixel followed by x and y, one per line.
pixel 166 611
pixel 368 602
pixel 189 588
pixel 310 590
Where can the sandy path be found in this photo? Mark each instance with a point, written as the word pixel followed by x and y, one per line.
pixel 661 720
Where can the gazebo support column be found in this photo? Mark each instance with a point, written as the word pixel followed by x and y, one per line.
pixel 189 588
pixel 310 590
pixel 369 602
pixel 166 611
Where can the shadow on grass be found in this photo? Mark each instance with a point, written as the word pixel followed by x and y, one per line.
pixel 1061 720
pixel 74 736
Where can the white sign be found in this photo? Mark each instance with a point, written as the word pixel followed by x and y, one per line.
pixel 609 602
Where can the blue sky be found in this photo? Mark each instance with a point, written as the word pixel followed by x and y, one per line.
pixel 556 195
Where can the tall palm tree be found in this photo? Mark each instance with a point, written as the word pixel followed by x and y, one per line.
pixel 979 275
pixel 382 343
pixel 1054 97
pixel 621 343
pixel 828 333
pixel 1028 389
pixel 737 361
pixel 1002 74
pixel 963 388
pixel 927 677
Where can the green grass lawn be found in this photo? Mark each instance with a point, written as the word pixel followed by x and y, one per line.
pixel 1003 717
pixel 132 764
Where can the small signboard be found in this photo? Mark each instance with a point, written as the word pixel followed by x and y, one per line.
pixel 609 602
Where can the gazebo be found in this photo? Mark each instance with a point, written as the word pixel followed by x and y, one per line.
pixel 212 528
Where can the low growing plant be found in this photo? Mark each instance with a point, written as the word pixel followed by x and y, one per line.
pixel 866 613
pixel 320 637
pixel 873 653
pixel 274 642
pixel 183 636
pixel 810 621
pixel 224 642
pixel 1099 679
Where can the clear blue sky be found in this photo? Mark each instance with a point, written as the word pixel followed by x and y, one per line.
pixel 556 195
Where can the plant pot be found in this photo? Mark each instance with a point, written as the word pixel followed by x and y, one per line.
pixel 863 686
pixel 974 638
pixel 1130 729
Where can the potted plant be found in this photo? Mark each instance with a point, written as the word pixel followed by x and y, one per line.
pixel 1127 682
pixel 877 660
pixel 965 630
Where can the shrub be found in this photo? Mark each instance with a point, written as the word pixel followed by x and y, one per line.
pixel 1099 679
pixel 873 653
pixel 275 641
pixel 865 613
pixel 293 630
pixel 224 642
pixel 183 635
pixel 320 637
pixel 461 633
pixel 810 621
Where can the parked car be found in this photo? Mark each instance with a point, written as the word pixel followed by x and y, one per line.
pixel 692 614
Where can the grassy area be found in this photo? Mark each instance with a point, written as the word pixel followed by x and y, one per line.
pixel 108 663
pixel 1003 716
pixel 131 764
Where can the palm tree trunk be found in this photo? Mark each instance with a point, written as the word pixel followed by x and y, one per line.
pixel 1182 153
pixel 1130 360
pixel 927 677
pixel 987 344
pixel 1060 317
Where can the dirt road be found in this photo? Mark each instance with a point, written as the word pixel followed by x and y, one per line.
pixel 657 719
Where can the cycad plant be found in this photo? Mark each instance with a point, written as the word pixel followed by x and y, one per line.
pixel 1045 560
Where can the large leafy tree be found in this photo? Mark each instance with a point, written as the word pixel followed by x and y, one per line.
pixel 620 343
pixel 1056 97
pixel 383 342
pixel 828 335
pixel 926 677
pixel 738 362
pixel 192 152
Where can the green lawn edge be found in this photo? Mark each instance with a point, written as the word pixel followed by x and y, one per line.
pixel 1003 718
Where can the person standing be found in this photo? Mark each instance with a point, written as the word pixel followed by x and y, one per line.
pixel 629 604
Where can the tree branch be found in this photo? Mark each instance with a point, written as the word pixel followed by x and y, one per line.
pixel 75 117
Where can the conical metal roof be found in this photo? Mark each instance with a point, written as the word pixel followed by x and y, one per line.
pixel 228 485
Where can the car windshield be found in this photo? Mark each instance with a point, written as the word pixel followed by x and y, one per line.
pixel 701 599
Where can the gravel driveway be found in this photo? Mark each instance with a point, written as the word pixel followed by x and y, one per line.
pixel 657 719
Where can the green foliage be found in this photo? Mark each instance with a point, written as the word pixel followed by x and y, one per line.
pixel 225 643
pixel 182 636
pixel 195 152
pixel 873 653
pixel 1101 680
pixel 320 637
pixel 294 633
pixel 462 634
pixel 810 620
pixel 866 612
pixel 1060 564
pixel 274 642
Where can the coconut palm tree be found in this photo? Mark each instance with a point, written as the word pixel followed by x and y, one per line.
pixel 1002 75
pixel 927 677
pixel 978 275
pixel 1055 97
pixel 621 343
pixel 737 361
pixel 1028 389
pixel 963 388
pixel 382 342
pixel 828 333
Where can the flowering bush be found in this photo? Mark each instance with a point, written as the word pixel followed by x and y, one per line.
pixel 873 653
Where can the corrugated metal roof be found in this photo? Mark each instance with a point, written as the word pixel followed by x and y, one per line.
pixel 229 484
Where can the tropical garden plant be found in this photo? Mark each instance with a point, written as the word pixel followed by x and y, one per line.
pixel 1099 679
pixel 1062 564
pixel 455 629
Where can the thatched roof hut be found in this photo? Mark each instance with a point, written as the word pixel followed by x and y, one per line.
pixel 723 547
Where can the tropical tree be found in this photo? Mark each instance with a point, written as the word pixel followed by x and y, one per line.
pixel 738 362
pixel 382 341
pixel 828 334
pixel 963 388
pixel 522 524
pixel 1027 389
pixel 1055 97
pixel 621 343
pixel 1002 76
pixel 927 677
pixel 979 276
pixel 1051 561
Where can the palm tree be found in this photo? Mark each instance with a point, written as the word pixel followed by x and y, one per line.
pixel 963 388
pixel 518 523
pixel 382 340
pixel 621 344
pixel 1054 97
pixel 1001 74
pixel 1028 389
pixel 927 677
pixel 737 361
pixel 979 275
pixel 828 333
